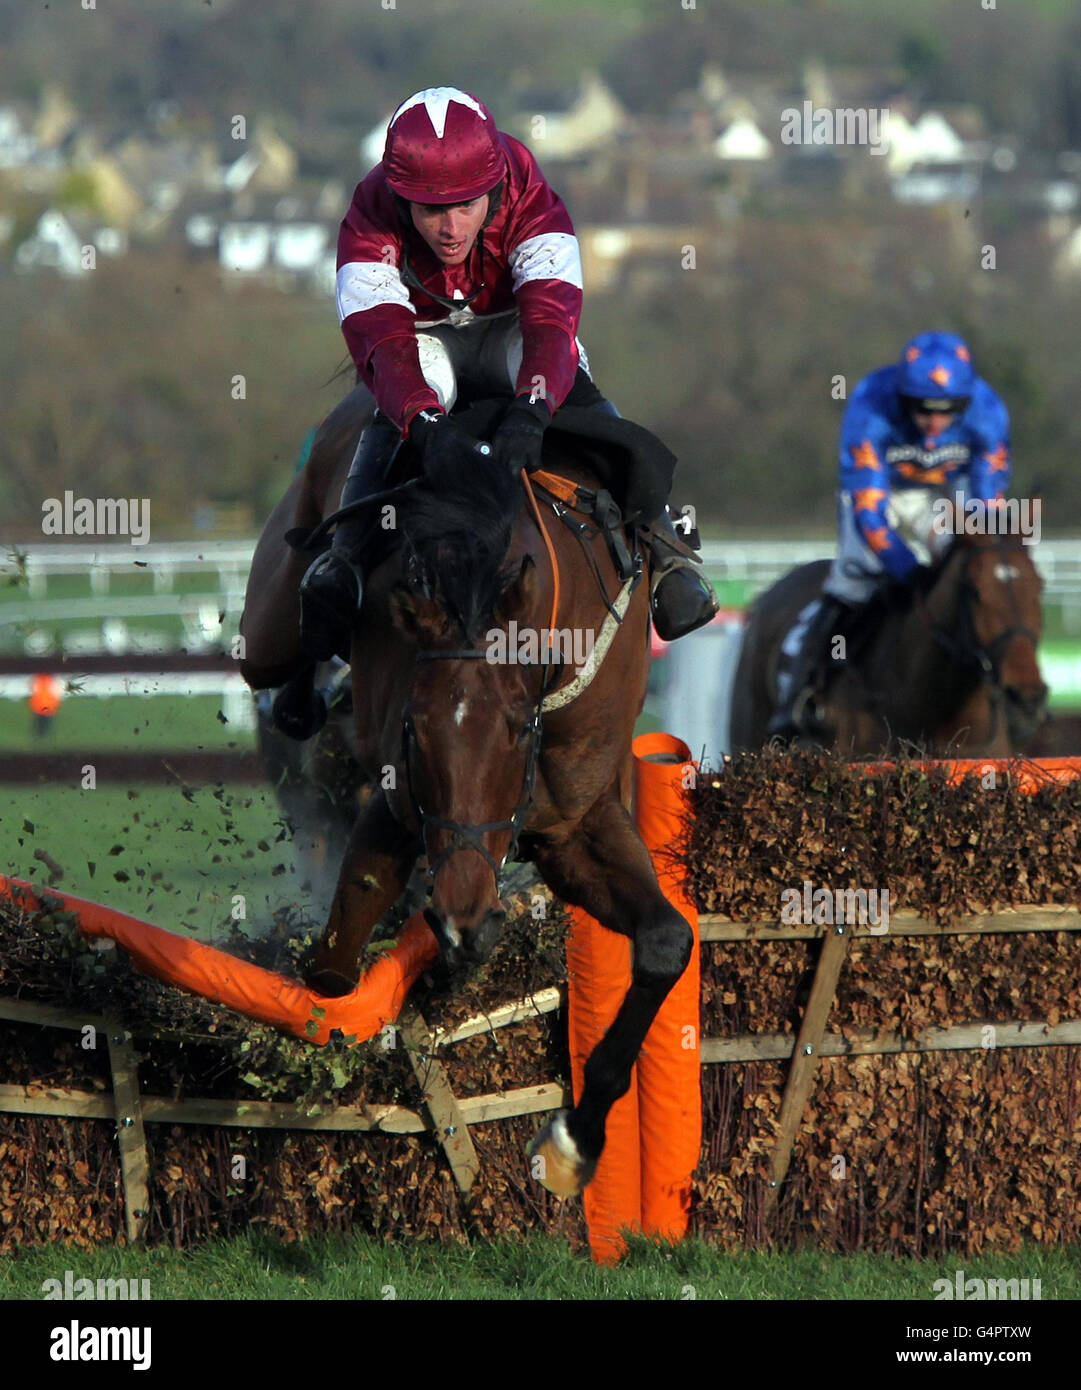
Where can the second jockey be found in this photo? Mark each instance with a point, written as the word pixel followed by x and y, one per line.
pixel 458 266
pixel 915 431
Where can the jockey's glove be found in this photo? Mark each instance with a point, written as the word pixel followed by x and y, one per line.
pixel 444 447
pixel 517 441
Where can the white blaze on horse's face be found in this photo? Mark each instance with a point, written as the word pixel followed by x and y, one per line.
pixel 1003 573
pixel 460 713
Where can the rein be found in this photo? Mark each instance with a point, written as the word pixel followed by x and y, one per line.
pixel 551 553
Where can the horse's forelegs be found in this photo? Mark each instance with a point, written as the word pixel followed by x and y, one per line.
pixel 374 873
pixel 607 871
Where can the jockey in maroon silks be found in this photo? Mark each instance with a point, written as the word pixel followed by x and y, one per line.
pixel 459 273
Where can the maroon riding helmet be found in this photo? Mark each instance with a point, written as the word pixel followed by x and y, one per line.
pixel 442 147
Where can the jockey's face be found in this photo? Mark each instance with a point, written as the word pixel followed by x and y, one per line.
pixel 933 422
pixel 933 418
pixel 450 229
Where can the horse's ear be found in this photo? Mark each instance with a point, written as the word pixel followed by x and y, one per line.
pixel 418 617
pixel 519 595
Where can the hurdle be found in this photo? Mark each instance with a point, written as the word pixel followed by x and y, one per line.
pixel 654 1132
pixel 261 994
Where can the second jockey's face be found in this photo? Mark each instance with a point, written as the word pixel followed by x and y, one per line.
pixel 450 229
pixel 933 422
pixel 932 417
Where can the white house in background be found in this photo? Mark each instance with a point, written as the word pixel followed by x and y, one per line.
pixel 592 120
pixel 55 245
pixel 17 146
pixel 245 247
pixel 237 175
pixel 742 139
pixel 111 241
pixel 58 242
pixel 268 165
pixel 932 140
pixel 929 163
pixel 298 246
pixel 201 230
pixel 941 184
pixel 251 248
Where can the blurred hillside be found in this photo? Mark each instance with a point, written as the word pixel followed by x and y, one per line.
pixel 663 135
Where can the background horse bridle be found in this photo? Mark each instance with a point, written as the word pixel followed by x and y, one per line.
pixel 965 648
pixel 962 644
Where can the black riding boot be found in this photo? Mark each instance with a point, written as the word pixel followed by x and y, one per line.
pixel 682 597
pixel 330 591
pixel 793 717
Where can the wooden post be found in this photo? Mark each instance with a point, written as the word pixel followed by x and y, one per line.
pixel 805 1058
pixel 449 1123
pixel 131 1136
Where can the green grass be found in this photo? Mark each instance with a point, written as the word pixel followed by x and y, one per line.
pixel 121 583
pixel 256 1267
pixel 133 724
pixel 174 859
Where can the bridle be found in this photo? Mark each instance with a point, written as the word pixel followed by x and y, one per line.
pixel 962 644
pixel 464 834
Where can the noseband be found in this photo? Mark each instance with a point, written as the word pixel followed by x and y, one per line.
pixel 466 835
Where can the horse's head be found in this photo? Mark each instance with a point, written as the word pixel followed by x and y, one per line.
pixel 1001 629
pixel 470 745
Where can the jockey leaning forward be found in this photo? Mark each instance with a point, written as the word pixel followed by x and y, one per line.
pixel 458 266
pixel 925 428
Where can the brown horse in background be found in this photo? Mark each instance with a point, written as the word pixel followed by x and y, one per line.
pixel 952 671
pixel 471 759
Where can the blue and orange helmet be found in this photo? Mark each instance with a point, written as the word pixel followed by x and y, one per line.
pixel 935 372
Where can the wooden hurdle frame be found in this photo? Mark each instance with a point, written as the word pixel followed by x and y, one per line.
pixel 450 1118
pixel 443 1111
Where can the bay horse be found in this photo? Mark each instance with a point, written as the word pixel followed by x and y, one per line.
pixel 473 757
pixel 952 670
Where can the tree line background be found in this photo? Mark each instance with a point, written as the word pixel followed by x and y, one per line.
pixel 119 383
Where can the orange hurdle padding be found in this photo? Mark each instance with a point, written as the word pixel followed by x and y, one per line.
pixel 1027 774
pixel 669 1067
pixel 249 989
pixel 599 976
pixel 654 1132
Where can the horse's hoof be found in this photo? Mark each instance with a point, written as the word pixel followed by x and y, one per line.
pixel 555 1160
pixel 329 983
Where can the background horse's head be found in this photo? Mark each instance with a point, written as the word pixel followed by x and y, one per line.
pixel 1001 624
pixel 471 727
